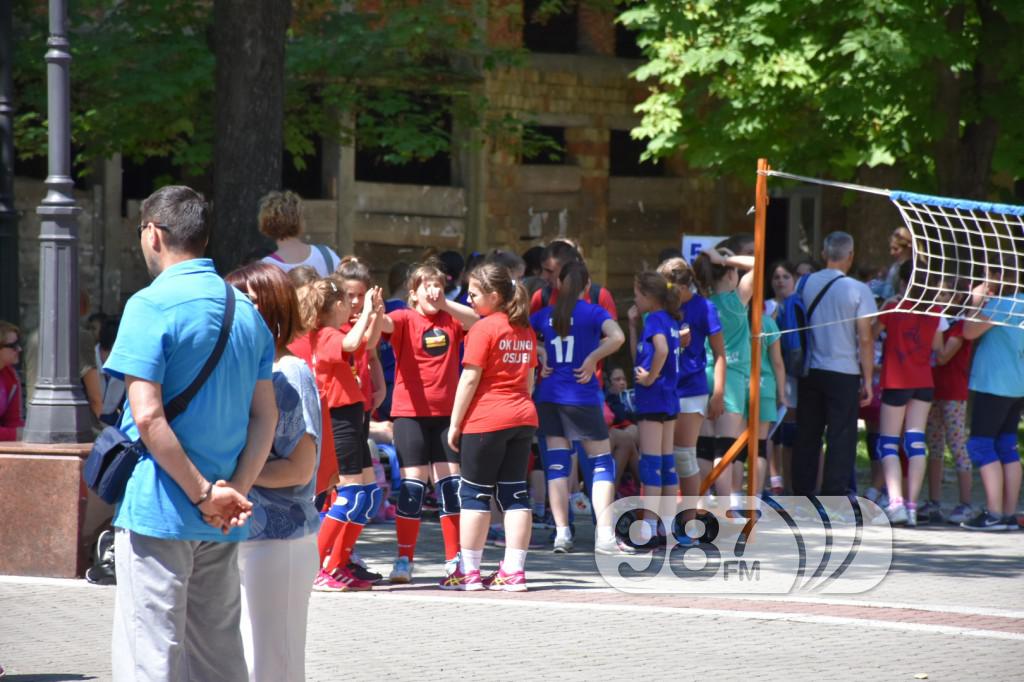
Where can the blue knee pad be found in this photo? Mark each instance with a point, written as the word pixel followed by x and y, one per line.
pixel 669 477
pixel 449 489
pixel 473 497
pixel 410 498
pixel 603 468
pixel 557 463
pixel 982 450
pixel 650 470
pixel 346 506
pixel 513 495
pixel 913 443
pixel 1006 448
pixel 374 497
pixel 888 446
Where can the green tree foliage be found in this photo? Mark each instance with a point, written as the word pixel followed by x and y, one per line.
pixel 829 86
pixel 143 77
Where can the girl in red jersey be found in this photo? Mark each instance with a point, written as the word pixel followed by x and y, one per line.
pixel 492 426
pixel 426 338
pixel 353 276
pixel 907 393
pixel 324 307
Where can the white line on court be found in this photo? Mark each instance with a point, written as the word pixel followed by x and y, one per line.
pixel 949 630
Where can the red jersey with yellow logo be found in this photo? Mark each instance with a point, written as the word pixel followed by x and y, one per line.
pixel 426 363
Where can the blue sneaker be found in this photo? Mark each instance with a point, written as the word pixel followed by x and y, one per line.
pixel 984 521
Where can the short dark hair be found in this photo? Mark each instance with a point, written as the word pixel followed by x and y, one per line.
pixel 563 252
pixel 510 260
pixel 532 259
pixel 183 212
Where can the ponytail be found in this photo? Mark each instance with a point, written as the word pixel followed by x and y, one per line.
pixel 656 287
pixel 314 299
pixel 354 268
pixel 515 299
pixel 707 273
pixel 573 280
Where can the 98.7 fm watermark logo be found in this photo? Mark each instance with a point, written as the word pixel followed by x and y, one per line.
pixel 779 545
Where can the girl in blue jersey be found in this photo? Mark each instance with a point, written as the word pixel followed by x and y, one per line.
pixel 718 274
pixel 657 403
pixel 576 335
pixel 698 324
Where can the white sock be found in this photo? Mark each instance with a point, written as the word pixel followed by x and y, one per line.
pixel 776 481
pixel 734 499
pixel 604 534
pixel 471 560
pixel 562 533
pixel 515 560
pixel 652 525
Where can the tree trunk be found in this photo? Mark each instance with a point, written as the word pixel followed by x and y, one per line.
pixel 965 149
pixel 249 111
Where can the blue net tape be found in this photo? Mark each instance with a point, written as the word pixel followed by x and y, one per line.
pixel 962 204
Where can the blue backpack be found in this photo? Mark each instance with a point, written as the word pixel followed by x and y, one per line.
pixel 794 317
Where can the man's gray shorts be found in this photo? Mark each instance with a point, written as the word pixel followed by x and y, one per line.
pixel 177 610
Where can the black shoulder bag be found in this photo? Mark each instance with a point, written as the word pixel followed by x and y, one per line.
pixel 113 456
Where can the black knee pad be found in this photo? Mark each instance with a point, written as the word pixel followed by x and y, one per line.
pixel 722 446
pixel 473 497
pixel 513 495
pixel 410 498
pixel 706 448
pixel 449 489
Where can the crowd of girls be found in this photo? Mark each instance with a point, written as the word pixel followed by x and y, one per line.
pixel 473 388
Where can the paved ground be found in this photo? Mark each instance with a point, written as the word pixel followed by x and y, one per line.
pixel 951 607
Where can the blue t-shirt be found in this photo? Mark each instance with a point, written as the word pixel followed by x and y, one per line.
pixel 167 332
pixel 701 315
pixel 288 513
pixel 661 396
pixel 567 353
pixel 998 365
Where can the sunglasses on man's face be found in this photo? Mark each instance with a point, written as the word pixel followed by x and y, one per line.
pixel 159 226
pixel 14 345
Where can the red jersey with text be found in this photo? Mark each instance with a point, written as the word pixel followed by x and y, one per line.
pixel 426 363
pixel 507 356
pixel 331 365
pixel 951 378
pixel 907 353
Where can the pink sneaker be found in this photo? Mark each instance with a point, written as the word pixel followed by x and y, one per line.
pixel 341 581
pixel 501 581
pixel 465 582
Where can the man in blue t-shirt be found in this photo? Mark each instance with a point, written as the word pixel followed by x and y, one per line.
pixel 178 603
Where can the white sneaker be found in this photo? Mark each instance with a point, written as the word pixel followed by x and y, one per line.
pixel 911 518
pixel 897 514
pixel 613 547
pixel 401 572
pixel 563 545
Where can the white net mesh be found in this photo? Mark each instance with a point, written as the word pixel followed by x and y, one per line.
pixel 967 258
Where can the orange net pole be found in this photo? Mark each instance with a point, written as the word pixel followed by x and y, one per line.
pixel 756 310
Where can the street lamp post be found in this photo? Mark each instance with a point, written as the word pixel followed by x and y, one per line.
pixel 8 217
pixel 59 412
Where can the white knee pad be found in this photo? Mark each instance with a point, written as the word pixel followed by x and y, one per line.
pixel 686 462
